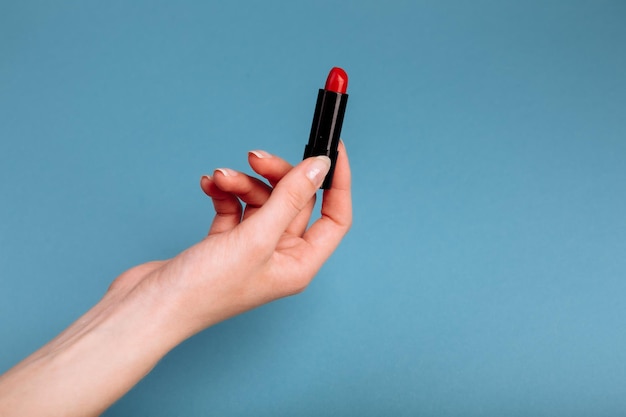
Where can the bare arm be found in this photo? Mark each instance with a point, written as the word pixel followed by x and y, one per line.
pixel 250 257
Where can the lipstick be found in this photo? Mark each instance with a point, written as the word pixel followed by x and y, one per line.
pixel 327 120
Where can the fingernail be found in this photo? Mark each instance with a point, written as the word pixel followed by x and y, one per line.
pixel 207 176
pixel 261 154
pixel 318 169
pixel 227 172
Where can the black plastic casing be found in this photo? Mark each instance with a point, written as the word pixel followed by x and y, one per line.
pixel 326 129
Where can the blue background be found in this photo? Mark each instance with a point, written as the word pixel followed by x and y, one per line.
pixel 485 273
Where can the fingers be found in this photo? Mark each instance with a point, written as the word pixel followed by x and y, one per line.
pixel 227 186
pixel 251 191
pixel 290 196
pixel 268 166
pixel 254 193
pixel 274 169
pixel 227 207
pixel 326 233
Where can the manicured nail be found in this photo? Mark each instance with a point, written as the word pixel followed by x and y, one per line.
pixel 227 172
pixel 261 154
pixel 207 176
pixel 318 169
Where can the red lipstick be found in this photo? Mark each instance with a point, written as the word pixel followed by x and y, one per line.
pixel 337 81
pixel 328 119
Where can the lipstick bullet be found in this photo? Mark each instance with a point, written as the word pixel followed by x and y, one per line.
pixel 327 120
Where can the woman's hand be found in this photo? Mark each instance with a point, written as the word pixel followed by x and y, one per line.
pixel 251 256
pixel 255 254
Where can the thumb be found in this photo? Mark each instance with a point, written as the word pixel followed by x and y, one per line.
pixel 290 197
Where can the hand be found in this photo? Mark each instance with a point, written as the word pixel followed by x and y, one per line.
pixel 249 257
pixel 254 255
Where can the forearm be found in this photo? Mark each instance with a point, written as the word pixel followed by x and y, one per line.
pixel 92 363
pixel 151 308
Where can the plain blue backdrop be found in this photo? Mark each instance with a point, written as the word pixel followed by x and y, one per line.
pixel 485 274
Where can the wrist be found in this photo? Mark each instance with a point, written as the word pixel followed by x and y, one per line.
pixel 93 362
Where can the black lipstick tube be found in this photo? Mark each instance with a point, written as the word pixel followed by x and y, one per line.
pixel 326 129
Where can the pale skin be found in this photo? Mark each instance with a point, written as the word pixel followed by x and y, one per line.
pixel 252 255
